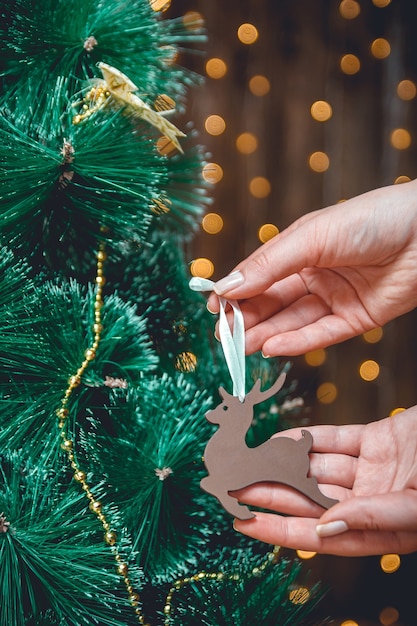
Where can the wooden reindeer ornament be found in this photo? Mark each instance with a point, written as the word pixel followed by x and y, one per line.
pixel 232 465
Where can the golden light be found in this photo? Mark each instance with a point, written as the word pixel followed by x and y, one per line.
pixel 389 616
pixel 390 563
pixel 304 554
pixel 349 622
pixel 373 336
pixel 315 357
pixel 321 111
pixel 247 33
pixel 380 48
pixel 215 125
pixel 350 64
pixel 260 187
pixel 399 409
pixel 193 20
pixel 381 3
pixel 401 179
pixel 369 370
pixel 160 5
pixel 406 90
pixel 319 162
pixel 216 68
pixel 349 9
pixel 166 146
pixel 202 267
pixel 299 596
pixel 246 143
pixel 186 362
pixel 212 223
pixel 259 85
pixel 326 393
pixel 400 139
pixel 267 232
pixel 212 173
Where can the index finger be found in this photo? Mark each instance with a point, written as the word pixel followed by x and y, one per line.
pixel 328 438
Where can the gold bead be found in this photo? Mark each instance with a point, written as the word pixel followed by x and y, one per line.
pixel 110 538
pixel 97 328
pixel 122 568
pixel 101 255
pixel 134 597
pixel 76 119
pixel 100 280
pixel 67 445
pixel 98 303
pixel 74 381
pixel 129 589
pixel 62 412
pixel 80 476
pixel 95 506
pixel 90 354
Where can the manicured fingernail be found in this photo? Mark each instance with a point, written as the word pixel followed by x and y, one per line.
pixel 266 356
pixel 331 528
pixel 216 336
pixel 234 527
pixel 228 282
pixel 209 310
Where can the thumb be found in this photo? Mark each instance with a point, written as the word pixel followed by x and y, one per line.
pixel 395 512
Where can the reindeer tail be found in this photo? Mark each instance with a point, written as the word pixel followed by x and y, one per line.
pixel 306 441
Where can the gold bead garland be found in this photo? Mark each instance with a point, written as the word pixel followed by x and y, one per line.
pixel 67 443
pixel 271 559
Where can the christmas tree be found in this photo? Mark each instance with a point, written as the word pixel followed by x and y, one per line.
pixel 108 365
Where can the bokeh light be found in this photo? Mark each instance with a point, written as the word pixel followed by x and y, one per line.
pixel 390 563
pixel 299 596
pixel 202 267
pixel 326 393
pixel 350 64
pixel 259 187
pixel 215 125
pixel 406 90
pixel 212 223
pixel 186 362
pixel 399 409
pixel 402 179
pixel 369 370
pixel 400 139
pixel 267 232
pixel 321 111
pixel 259 85
pixel 193 20
pixel 373 336
pixel 246 143
pixel 160 5
pixel 389 616
pixel 349 9
pixel 315 357
pixel 380 48
pixel 247 33
pixel 212 173
pixel 216 68
pixel 381 3
pixel 166 146
pixel 349 622
pixel 304 554
pixel 319 162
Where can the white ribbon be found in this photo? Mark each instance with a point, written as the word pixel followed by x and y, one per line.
pixel 233 342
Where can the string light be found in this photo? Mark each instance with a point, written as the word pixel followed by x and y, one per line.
pixel 202 267
pixel 406 90
pixel 390 563
pixel 259 85
pixel 349 9
pixel 212 173
pixel 215 125
pixel 400 139
pixel 212 223
pixel 350 64
pixel 247 33
pixel 315 357
pixel 246 143
pixel 216 68
pixel 373 336
pixel 326 393
pixel 369 370
pixel 319 162
pixel 321 111
pixel 380 48
pixel 267 232
pixel 259 187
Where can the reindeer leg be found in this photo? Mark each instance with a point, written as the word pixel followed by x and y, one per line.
pixel 310 488
pixel 230 504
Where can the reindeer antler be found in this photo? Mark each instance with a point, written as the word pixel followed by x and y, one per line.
pixel 256 395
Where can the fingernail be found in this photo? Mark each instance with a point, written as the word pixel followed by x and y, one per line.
pixel 209 310
pixel 331 528
pixel 234 527
pixel 229 282
pixel 266 356
pixel 216 336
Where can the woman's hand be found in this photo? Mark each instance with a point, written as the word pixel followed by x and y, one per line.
pixel 371 469
pixel 333 274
